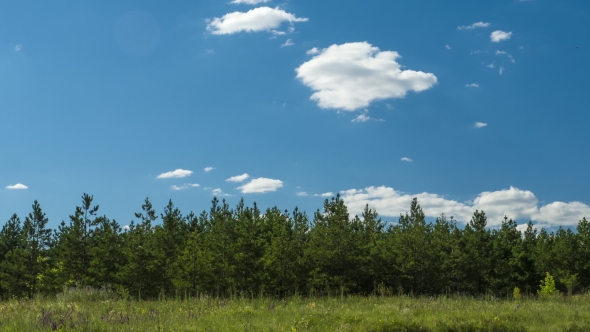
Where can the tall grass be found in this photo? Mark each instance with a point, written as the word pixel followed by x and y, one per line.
pixel 100 310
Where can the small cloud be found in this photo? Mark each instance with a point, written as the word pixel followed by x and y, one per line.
pixel 406 159
pixel 498 52
pixel 126 227
pixel 179 173
pixel 511 58
pixel 501 70
pixel 313 51
pixel 520 47
pixel 302 193
pixel 185 186
pixel 18 47
pixel 491 65
pixel 219 192
pixel 209 51
pixel 389 106
pixel 239 178
pixel 474 25
pixel 328 194
pixel 285 104
pixel 18 186
pixel 261 185
pixel 475 52
pixel 277 33
pixel 249 2
pixel 448 47
pixel 288 43
pixel 472 85
pixel 255 20
pixel 208 169
pixel 480 125
pixel 363 117
pixel 499 35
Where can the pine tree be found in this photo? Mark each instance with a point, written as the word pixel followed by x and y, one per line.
pixel 475 255
pixel 12 259
pixel 331 251
pixel 37 240
pixel 106 253
pixel 75 240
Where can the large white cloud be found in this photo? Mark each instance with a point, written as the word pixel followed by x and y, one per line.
pixel 513 202
pixel 179 173
pixel 254 20
pixel 261 185
pixel 18 186
pixel 352 75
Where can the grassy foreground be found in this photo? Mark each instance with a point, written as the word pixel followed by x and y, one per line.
pixel 95 311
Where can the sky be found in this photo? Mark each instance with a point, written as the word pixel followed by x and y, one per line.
pixel 465 105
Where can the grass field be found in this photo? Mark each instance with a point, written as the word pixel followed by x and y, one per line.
pixel 100 311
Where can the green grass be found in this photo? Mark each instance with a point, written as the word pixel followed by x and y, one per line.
pixel 99 311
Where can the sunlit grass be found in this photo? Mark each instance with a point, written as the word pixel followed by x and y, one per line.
pixel 94 311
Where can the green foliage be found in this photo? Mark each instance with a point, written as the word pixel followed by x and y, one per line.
pixel 245 252
pixel 547 286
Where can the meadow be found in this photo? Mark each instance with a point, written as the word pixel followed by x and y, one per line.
pixel 95 310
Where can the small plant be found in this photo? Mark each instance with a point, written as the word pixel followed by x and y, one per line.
pixel 516 294
pixel 547 287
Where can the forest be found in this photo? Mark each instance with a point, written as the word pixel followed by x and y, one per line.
pixel 246 252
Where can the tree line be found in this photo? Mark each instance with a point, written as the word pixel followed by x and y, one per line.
pixel 244 251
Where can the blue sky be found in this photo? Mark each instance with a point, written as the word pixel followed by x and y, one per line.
pixel 463 104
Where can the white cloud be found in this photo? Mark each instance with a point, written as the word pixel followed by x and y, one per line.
pixel 472 85
pixel 208 169
pixel 513 203
pixel 352 75
pixel 328 194
pixel 499 35
pixel 474 52
pixel 289 42
pixel 261 185
pixel 313 51
pixel 448 47
pixel 185 186
pixel 238 178
pixel 249 2
pixel 491 65
pixel 498 52
pixel 363 117
pixel 501 71
pixel 18 186
pixel 480 124
pixel 474 25
pixel 126 228
pixel 179 173
pixel 302 193
pixel 406 159
pixel 18 47
pixel 254 20
pixel 219 192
